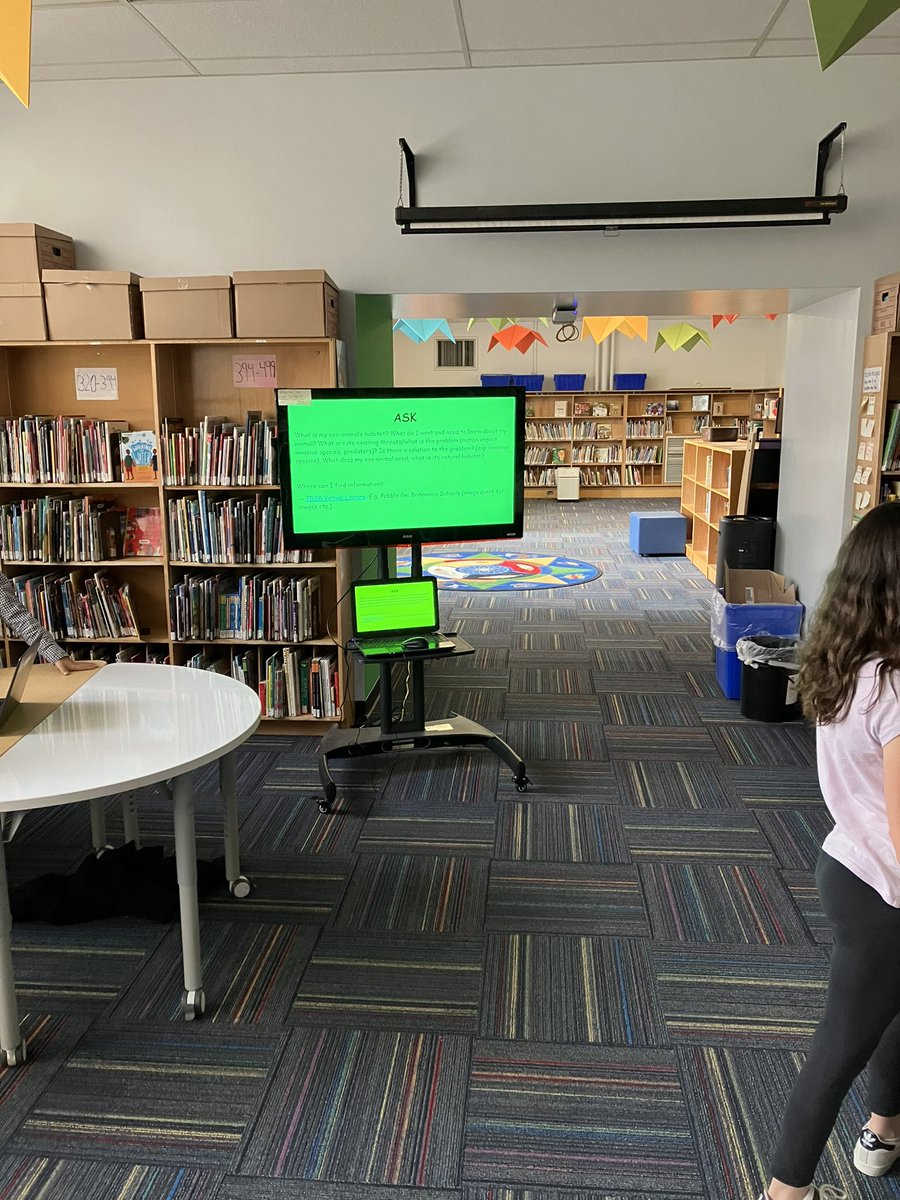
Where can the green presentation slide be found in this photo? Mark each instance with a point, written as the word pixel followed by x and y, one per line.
pixel 407 604
pixel 415 463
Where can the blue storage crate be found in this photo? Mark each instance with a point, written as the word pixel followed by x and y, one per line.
pixel 733 621
pixel 629 383
pixel 531 383
pixel 496 381
pixel 728 673
pixel 569 383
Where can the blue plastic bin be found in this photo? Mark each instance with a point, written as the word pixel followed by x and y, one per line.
pixel 569 383
pixel 629 383
pixel 531 383
pixel 733 621
pixel 496 381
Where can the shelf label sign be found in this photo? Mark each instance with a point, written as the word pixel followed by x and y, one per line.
pixel 253 371
pixel 871 380
pixel 94 383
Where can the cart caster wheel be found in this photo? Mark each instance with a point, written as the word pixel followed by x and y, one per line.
pixel 193 1004
pixel 14 1057
pixel 241 887
pixel 103 849
pixel 324 806
pixel 522 784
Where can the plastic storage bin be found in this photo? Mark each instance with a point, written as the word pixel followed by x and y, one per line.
pixel 629 383
pixel 531 383
pixel 569 383
pixel 496 381
pixel 568 483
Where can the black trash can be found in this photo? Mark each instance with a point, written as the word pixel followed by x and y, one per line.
pixel 769 678
pixel 745 544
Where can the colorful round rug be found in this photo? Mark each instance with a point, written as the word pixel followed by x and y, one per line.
pixel 474 571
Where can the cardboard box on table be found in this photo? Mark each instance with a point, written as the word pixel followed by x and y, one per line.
pixel 285 304
pixel 22 313
pixel 752 602
pixel 27 250
pixel 198 306
pixel 93 306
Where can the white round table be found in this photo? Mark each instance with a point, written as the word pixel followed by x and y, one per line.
pixel 130 725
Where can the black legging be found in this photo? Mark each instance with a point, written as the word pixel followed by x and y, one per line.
pixel 861 1022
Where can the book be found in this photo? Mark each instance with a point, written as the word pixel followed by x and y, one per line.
pixel 139 456
pixel 143 533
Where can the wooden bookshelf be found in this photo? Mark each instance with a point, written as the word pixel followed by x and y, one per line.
pixel 629 463
pixel 874 478
pixel 191 380
pixel 710 490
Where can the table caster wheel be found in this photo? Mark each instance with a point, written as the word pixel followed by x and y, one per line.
pixel 14 1057
pixel 193 1004
pixel 324 806
pixel 241 887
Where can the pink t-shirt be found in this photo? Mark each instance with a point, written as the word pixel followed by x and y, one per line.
pixel 851 774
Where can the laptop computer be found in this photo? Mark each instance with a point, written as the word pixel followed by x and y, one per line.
pixel 397 617
pixel 13 697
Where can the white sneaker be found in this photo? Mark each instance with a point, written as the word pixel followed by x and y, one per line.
pixel 826 1192
pixel 873 1155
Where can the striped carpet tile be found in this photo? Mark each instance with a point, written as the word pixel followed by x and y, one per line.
pixel 27 1177
pixel 639 662
pixel 741 904
pixel 416 827
pixel 554 613
pixel 618 682
pixel 163 1096
pixel 549 641
pixel 805 894
pixel 729 836
pixel 290 822
pixel 735 996
pixel 796 834
pixel 487 660
pixel 759 787
pixel 674 784
pixel 416 893
pixel 565 898
pixel 749 745
pixel 499 1192
pixel 703 684
pixel 286 889
pixel 482 705
pixel 665 742
pixel 617 629
pixel 589 990
pixel 647 709
pixel 539 740
pixel 249 974
pixel 426 779
pixel 520 706
pixel 689 615
pixel 560 681
pixel 235 1188
pixel 50 1039
pixel 363 1107
pixel 584 782
pixel 528 831
pixel 736 1098
pixel 569 1116
pixel 79 968
pixel 687 647
pixel 469 681
pixel 252 767
pixel 422 984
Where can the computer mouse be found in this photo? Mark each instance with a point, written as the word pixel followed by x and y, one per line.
pixel 415 643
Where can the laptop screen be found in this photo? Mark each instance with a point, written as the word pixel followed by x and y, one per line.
pixel 395 606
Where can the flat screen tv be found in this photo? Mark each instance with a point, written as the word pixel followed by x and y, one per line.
pixel 390 466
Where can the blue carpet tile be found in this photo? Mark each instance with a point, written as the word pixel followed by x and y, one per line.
pixel 445 989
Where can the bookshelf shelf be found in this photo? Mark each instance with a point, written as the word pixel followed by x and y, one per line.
pixel 188 380
pixel 877 465
pixel 710 490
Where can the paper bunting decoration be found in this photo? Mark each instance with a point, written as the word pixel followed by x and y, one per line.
pixel 718 318
pixel 15 48
pixel 840 24
pixel 681 337
pixel 515 337
pixel 501 322
pixel 771 316
pixel 600 328
pixel 420 331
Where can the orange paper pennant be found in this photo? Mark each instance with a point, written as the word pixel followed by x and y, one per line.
pixel 718 318
pixel 515 337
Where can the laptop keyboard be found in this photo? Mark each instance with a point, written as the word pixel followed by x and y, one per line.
pixel 376 644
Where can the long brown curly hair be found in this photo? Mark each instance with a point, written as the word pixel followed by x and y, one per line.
pixel 858 618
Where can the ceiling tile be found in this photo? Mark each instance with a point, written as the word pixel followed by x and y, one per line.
pixel 685 52
pixel 304 28
pixel 874 45
pixel 787 47
pixel 127 70
pixel 795 22
pixel 536 24
pixel 300 66
pixel 97 33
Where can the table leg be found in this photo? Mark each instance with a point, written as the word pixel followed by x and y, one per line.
pixel 239 885
pixel 12 1044
pixel 130 820
pixel 193 1000
pixel 98 825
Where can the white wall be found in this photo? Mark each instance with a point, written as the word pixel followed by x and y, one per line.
pixel 821 380
pixel 748 354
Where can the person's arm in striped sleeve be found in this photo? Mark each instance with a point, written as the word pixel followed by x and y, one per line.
pixel 21 624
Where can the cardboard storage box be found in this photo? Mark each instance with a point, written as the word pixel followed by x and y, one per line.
pixel 93 306
pixel 198 306
pixel 752 602
pixel 22 313
pixel 886 305
pixel 285 304
pixel 26 250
